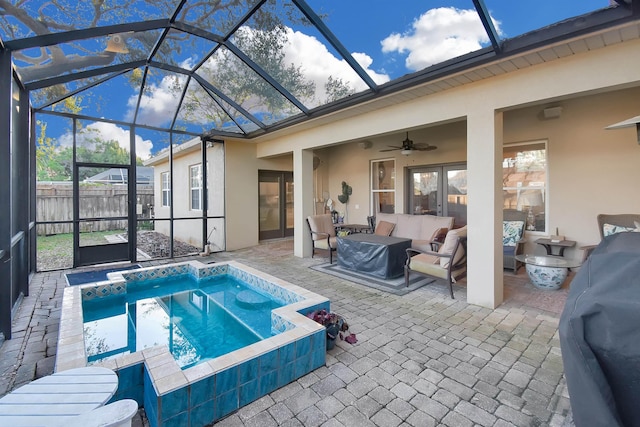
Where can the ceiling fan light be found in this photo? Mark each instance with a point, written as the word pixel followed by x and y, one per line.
pixel 406 152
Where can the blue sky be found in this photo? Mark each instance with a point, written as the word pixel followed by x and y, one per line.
pixel 362 25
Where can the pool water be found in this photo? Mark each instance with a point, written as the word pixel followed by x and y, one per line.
pixel 198 320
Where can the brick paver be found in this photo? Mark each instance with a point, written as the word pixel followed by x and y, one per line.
pixel 421 359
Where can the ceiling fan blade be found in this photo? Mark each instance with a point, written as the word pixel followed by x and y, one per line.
pixel 392 149
pixel 425 147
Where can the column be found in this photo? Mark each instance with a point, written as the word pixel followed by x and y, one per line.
pixel 303 201
pixel 484 212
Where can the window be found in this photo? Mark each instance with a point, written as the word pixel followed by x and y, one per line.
pixel 524 181
pixel 195 177
pixel 383 186
pixel 166 189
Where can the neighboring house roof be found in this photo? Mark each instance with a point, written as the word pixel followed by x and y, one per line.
pixel 144 176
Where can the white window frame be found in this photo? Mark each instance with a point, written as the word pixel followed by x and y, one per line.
pixel 165 180
pixel 374 173
pixel 542 186
pixel 195 187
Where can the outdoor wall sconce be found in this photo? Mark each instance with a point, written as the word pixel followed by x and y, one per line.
pixel 633 121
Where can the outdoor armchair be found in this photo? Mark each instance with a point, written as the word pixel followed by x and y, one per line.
pixel 448 261
pixel 609 224
pixel 323 234
pixel 513 224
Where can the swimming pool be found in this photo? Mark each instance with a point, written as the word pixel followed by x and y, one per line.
pixel 197 319
pixel 200 391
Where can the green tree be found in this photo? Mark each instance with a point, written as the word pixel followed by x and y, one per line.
pixel 54 162
pixel 262 38
pixel 51 160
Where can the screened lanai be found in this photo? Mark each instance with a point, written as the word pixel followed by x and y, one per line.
pixel 108 87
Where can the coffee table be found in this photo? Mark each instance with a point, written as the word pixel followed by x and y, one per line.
pixel 380 256
pixel 547 272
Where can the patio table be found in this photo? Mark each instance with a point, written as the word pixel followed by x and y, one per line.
pixel 58 397
pixel 380 256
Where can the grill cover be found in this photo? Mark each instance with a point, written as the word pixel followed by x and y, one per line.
pixel 600 335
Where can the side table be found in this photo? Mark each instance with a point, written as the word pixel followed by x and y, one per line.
pixel 561 245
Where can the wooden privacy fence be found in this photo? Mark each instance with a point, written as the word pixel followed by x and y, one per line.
pixel 54 202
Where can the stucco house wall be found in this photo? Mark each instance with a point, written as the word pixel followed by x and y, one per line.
pixel 591 170
pixel 190 230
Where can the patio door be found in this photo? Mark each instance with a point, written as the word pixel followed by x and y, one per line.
pixel 438 190
pixel 275 190
pixel 102 229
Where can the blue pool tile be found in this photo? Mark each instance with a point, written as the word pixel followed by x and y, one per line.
pixel 249 392
pixel 269 362
pixel 268 383
pixel 226 380
pixel 180 420
pixel 318 358
pixel 174 402
pixel 131 376
pixel 249 371
pixel 150 411
pixel 226 403
pixel 302 366
pixel 135 393
pixel 202 391
pixel 202 415
pixel 150 397
pixel 303 346
pixel 286 374
pixel 287 353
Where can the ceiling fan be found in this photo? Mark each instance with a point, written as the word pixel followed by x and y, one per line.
pixel 408 146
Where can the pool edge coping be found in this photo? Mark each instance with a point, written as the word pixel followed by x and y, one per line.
pixel 165 372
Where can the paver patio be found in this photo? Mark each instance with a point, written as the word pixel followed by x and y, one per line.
pixel 421 359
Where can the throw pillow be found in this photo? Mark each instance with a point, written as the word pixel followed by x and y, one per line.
pixel 609 229
pixel 511 232
pixel 384 228
pixel 439 235
pixel 450 243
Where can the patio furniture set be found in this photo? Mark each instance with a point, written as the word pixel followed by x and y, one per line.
pixel 400 244
pixel 430 245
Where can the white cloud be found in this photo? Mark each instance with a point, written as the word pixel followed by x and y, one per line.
pixel 318 63
pixel 159 101
pixel 111 132
pixel 438 35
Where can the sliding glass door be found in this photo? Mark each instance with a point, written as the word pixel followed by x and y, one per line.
pixel 276 204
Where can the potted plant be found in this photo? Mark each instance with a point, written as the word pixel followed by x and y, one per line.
pixel 336 327
pixel 344 198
